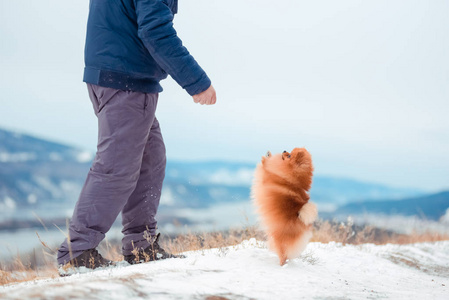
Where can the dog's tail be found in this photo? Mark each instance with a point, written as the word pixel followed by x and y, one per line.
pixel 308 213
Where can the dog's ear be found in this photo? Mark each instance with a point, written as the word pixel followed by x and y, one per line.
pixel 299 158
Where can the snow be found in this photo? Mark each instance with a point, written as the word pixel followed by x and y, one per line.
pixel 251 271
pixel 218 192
pixel 47 184
pixel 9 203
pixel 55 156
pixel 84 157
pixel 242 177
pixel 6 157
pixel 70 187
pixel 168 197
pixel 180 189
pixel 445 218
pixel 326 207
pixel 32 199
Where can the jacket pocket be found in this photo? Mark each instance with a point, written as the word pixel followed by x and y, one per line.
pixel 173 4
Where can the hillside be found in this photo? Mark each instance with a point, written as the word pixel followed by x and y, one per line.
pixel 38 174
pixel 431 207
pixel 250 271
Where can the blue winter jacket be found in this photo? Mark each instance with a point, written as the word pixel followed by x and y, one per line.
pixel 131 45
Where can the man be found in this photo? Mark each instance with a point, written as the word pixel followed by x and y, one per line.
pixel 131 45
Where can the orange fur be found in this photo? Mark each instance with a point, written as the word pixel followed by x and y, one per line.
pixel 280 190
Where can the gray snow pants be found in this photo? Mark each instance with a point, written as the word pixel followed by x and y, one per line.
pixel 126 175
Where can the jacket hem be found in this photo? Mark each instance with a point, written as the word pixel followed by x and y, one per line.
pixel 121 81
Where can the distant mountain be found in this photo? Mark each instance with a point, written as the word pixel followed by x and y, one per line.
pixel 35 173
pixel 46 177
pixel 342 190
pixel 17 148
pixel 431 207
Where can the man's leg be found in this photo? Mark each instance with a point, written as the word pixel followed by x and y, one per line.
pixel 138 215
pixel 124 123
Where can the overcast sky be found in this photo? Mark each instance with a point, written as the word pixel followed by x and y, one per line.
pixel 364 85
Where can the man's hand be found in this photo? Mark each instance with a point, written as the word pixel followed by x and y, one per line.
pixel 207 97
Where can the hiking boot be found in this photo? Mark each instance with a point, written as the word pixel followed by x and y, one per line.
pixel 151 253
pixel 89 259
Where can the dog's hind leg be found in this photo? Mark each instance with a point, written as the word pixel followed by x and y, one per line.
pixel 282 259
pixel 276 246
pixel 282 255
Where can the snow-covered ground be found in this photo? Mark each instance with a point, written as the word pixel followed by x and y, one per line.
pixel 251 271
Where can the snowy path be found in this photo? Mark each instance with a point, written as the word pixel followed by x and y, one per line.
pixel 250 271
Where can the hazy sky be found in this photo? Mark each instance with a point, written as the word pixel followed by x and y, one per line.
pixel 364 85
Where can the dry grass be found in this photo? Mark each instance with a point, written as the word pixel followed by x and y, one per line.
pixel 28 267
pixel 348 233
pixel 42 265
pixel 21 271
pixel 210 240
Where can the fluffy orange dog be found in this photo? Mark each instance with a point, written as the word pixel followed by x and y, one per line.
pixel 280 193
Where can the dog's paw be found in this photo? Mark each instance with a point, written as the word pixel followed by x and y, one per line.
pixel 308 213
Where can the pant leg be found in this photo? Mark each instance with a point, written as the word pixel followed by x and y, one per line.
pixel 124 122
pixel 138 215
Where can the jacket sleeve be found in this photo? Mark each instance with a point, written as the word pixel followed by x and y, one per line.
pixel 155 29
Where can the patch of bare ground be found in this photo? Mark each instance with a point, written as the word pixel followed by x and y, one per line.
pixel 425 267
